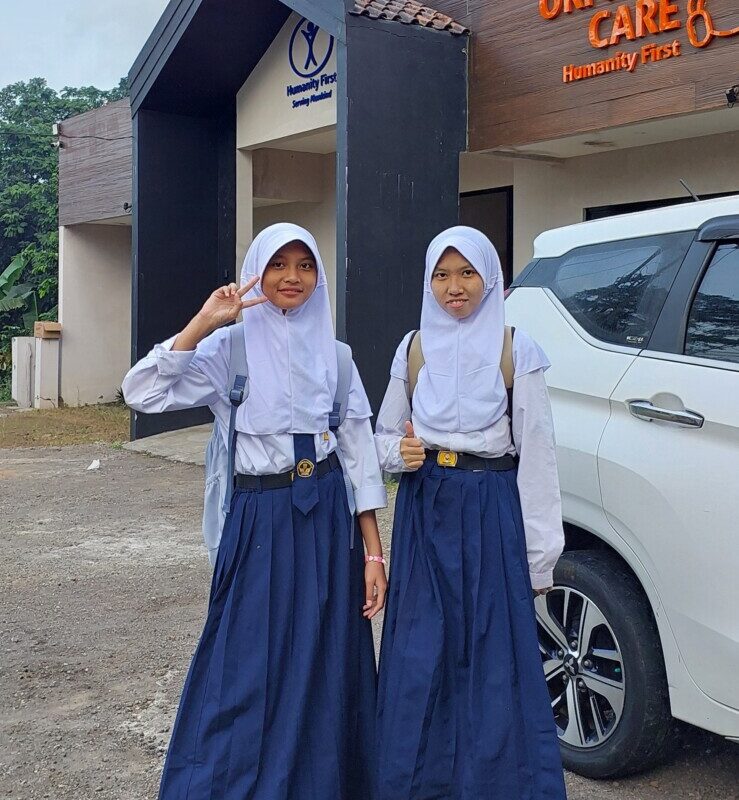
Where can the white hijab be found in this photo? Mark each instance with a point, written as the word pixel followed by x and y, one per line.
pixel 292 356
pixel 461 389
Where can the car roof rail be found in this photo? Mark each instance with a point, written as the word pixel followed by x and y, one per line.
pixel 719 229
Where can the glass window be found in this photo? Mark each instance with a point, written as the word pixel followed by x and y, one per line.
pixel 615 290
pixel 713 326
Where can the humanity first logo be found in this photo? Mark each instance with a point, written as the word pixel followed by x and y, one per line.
pixel 309 54
pixel 310 49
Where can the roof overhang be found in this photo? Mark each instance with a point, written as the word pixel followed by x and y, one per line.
pixel 201 52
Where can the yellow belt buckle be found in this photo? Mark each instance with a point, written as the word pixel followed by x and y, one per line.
pixel 446 458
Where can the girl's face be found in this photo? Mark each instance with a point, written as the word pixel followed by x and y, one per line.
pixel 290 277
pixel 456 284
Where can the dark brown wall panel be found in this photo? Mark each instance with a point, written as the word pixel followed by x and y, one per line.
pixel 95 164
pixel 517 95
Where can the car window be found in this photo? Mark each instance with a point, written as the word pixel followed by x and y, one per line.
pixel 617 289
pixel 713 325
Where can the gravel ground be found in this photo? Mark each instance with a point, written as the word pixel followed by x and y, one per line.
pixel 105 586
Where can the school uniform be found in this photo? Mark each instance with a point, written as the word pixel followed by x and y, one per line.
pixel 279 700
pixel 463 709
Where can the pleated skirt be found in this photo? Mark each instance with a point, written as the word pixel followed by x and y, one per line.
pixel 463 710
pixel 279 700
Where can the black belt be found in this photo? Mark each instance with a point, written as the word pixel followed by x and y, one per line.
pixel 283 479
pixel 448 458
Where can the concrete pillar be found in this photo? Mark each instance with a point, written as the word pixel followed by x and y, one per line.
pixel 46 365
pixel 244 204
pixel 94 263
pixel 22 377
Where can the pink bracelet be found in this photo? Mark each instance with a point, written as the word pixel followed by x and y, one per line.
pixel 378 559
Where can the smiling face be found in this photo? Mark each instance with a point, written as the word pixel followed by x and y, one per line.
pixel 456 284
pixel 290 277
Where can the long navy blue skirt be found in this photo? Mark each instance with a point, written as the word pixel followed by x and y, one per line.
pixel 279 701
pixel 463 710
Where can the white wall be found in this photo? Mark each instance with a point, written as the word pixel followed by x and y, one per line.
pixel 550 195
pixel 478 171
pixel 244 202
pixel 265 110
pixel 95 311
pixel 287 176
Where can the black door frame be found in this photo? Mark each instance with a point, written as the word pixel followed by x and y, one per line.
pixel 508 191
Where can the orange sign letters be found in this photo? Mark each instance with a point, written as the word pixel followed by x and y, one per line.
pixel 633 21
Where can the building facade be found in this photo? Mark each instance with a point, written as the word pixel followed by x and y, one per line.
pixel 376 124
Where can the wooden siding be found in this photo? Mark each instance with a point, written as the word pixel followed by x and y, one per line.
pixel 95 167
pixel 517 95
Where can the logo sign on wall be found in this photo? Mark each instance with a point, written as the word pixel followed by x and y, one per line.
pixel 309 53
pixel 612 25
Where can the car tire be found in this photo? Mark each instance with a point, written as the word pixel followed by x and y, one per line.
pixel 639 737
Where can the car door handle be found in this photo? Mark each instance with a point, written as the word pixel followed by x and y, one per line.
pixel 643 409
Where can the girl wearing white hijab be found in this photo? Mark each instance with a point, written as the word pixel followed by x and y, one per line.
pixel 463 709
pixel 279 701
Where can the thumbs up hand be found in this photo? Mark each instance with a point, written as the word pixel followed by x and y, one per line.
pixel 411 448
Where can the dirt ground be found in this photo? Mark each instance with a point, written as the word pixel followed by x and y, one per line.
pixel 105 587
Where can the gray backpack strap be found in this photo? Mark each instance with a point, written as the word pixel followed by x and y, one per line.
pixel 343 382
pixel 237 361
pixel 238 391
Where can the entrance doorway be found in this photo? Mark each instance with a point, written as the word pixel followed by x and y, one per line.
pixel 491 211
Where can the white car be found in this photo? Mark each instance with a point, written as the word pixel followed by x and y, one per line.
pixel 639 315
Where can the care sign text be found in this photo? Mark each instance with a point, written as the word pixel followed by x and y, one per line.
pixel 634 21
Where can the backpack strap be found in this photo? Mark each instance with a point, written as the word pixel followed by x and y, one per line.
pixel 506 357
pixel 414 356
pixel 507 367
pixel 238 391
pixel 343 382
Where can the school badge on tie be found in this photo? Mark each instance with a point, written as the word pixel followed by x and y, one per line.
pixel 305 468
pixel 305 480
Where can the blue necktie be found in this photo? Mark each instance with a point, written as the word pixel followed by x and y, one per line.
pixel 305 482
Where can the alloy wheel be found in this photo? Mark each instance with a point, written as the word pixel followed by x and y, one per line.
pixel 583 667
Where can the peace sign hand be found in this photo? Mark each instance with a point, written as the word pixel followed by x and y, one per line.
pixel 224 305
